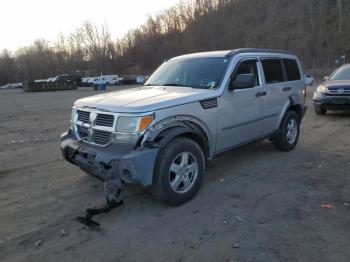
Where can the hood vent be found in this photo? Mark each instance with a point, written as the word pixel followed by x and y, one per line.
pixel 209 103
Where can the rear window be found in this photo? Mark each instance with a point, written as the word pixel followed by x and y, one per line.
pixel 273 70
pixel 292 69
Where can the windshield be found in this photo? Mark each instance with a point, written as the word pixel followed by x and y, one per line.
pixel 205 72
pixel 342 73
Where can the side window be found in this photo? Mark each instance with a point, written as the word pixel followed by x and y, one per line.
pixel 273 70
pixel 248 67
pixel 292 69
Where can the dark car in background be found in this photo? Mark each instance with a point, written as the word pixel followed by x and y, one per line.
pixel 334 92
pixel 68 78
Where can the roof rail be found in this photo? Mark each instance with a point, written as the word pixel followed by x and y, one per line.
pixel 257 50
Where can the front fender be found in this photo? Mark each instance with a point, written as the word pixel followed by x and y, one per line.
pixel 169 134
pixel 168 130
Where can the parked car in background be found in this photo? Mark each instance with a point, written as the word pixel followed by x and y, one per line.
pixel 83 80
pixel 191 109
pixel 86 81
pixel 107 80
pixel 309 80
pixel 90 81
pixel 140 79
pixel 334 92
pixel 40 80
pixel 68 78
pixel 51 79
pixel 128 80
pixel 11 86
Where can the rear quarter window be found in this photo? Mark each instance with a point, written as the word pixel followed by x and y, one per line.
pixel 292 69
pixel 273 70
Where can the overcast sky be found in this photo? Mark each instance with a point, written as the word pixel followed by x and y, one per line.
pixel 23 21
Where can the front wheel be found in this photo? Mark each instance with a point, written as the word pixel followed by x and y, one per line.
pixel 179 172
pixel 290 129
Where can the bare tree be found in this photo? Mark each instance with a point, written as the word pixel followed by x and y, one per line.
pixel 317 30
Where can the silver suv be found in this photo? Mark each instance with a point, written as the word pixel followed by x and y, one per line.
pixel 192 108
pixel 334 92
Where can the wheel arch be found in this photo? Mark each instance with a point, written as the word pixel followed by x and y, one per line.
pixel 160 134
pixel 293 103
pixel 174 132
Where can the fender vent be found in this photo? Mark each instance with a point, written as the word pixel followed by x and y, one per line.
pixel 209 103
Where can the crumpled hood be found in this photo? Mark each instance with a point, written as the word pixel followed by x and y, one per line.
pixel 144 99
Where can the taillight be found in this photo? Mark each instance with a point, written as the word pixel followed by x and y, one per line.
pixel 304 91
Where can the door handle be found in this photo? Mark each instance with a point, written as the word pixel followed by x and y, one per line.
pixel 263 93
pixel 287 88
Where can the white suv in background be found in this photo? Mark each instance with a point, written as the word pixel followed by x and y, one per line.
pixel 106 79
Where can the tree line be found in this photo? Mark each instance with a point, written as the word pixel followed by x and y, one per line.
pixel 318 31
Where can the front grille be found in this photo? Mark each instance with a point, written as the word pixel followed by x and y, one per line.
pixel 101 137
pixel 95 127
pixel 104 120
pixel 338 91
pixel 83 116
pixel 336 88
pixel 82 132
pixel 338 94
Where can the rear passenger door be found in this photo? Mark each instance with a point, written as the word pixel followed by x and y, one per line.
pixel 282 79
pixel 276 91
pixel 294 81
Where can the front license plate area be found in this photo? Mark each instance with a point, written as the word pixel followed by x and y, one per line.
pixel 90 156
pixel 340 101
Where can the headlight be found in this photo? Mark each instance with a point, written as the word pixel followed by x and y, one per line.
pixel 128 128
pixel 322 89
pixel 73 118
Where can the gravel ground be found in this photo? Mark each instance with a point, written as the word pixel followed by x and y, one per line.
pixel 256 203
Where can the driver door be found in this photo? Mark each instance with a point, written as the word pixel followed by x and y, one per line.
pixel 241 110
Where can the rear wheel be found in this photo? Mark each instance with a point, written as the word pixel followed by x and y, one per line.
pixel 319 110
pixel 179 172
pixel 290 129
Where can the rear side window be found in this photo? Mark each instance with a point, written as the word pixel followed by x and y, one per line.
pixel 273 71
pixel 292 69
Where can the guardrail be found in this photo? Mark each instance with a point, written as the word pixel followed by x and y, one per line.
pixel 48 86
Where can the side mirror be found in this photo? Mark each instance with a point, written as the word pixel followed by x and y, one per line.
pixel 325 78
pixel 242 81
pixel 309 80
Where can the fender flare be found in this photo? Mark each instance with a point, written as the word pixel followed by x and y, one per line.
pixel 292 101
pixel 173 132
pixel 171 128
pixel 295 100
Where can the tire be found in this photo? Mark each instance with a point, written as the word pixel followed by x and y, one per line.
pixel 319 110
pixel 174 181
pixel 290 130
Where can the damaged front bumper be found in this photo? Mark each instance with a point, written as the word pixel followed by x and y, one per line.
pixel 115 163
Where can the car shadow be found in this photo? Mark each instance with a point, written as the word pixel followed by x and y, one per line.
pixel 338 113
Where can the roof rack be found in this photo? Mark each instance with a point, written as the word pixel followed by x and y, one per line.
pixel 257 50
